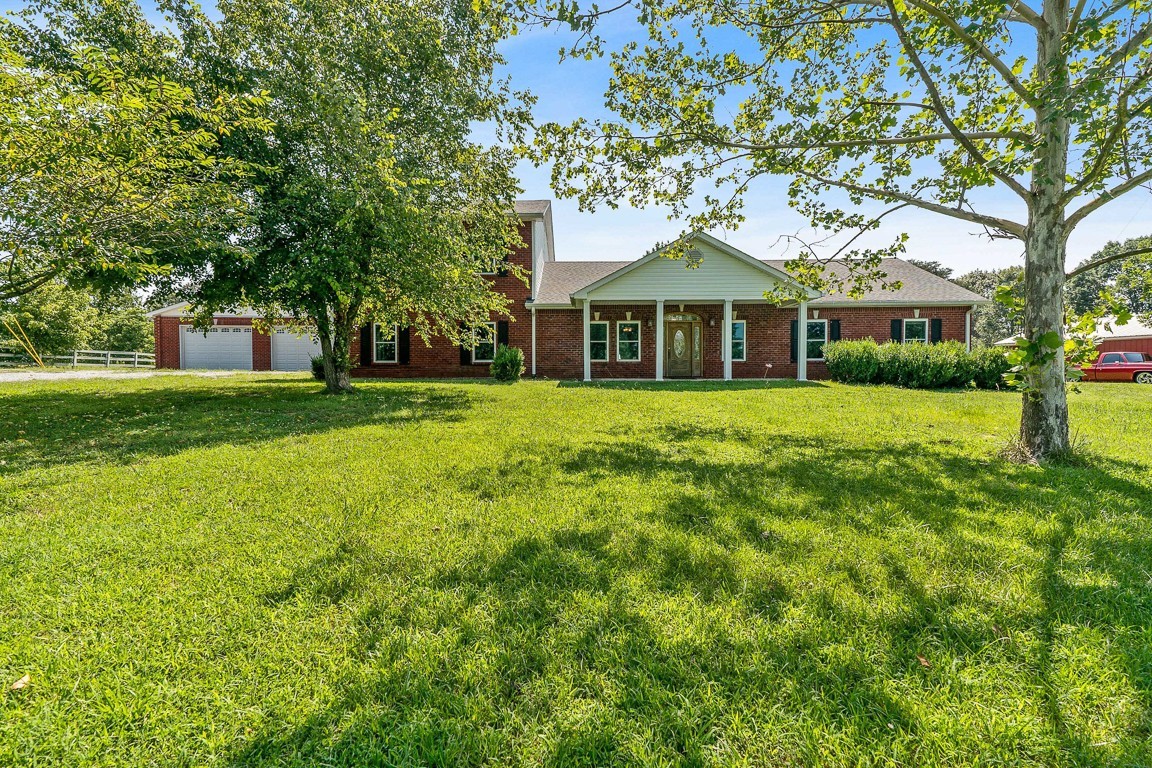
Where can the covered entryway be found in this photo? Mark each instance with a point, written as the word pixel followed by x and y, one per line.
pixel 710 272
pixel 223 347
pixel 684 340
pixel 291 352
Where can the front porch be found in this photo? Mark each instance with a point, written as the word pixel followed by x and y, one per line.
pixel 683 340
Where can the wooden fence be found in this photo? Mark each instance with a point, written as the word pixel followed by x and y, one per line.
pixel 102 358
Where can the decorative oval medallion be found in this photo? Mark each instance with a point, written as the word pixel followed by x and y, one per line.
pixel 679 343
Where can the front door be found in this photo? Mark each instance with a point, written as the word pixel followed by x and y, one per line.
pixel 678 354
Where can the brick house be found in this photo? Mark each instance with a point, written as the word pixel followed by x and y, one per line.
pixel 649 318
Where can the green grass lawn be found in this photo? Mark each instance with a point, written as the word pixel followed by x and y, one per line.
pixel 243 572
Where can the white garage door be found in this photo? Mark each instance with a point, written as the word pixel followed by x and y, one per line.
pixel 291 352
pixel 222 347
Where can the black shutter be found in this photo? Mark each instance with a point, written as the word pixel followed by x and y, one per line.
pixel 366 345
pixel 465 354
pixel 937 330
pixel 833 330
pixel 897 330
pixel 503 271
pixel 792 349
pixel 403 346
pixel 501 333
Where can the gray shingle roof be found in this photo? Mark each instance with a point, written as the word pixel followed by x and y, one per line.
pixel 532 207
pixel 561 279
pixel 918 286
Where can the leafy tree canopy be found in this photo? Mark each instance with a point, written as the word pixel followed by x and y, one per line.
pixel 993 321
pixel 376 205
pixel 59 318
pixel 108 176
pixel 1129 279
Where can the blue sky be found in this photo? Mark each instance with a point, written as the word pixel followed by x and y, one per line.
pixel 575 88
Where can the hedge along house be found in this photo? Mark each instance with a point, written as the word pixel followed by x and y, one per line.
pixel 656 318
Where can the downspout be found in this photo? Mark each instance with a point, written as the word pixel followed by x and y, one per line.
pixel 968 329
pixel 533 342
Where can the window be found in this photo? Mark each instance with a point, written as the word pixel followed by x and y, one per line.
pixel 1113 358
pixel 484 343
pixel 915 331
pixel 492 268
pixel 383 343
pixel 817 338
pixel 598 340
pixel 738 329
pixel 628 341
pixel 1134 357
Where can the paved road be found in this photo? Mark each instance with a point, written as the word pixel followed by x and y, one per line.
pixel 102 373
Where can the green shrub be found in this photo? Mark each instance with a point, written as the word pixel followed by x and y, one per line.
pixel 853 362
pixel 991 363
pixel 916 366
pixel 508 364
pixel 318 368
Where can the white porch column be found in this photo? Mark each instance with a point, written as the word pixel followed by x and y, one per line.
pixel 587 340
pixel 660 340
pixel 727 341
pixel 802 343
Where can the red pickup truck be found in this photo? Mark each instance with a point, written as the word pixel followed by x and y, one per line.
pixel 1120 366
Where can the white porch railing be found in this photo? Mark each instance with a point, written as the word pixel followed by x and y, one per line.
pixel 102 358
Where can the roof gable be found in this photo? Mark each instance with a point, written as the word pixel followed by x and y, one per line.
pixel 721 272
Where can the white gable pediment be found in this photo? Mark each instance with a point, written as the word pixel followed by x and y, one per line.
pixel 718 272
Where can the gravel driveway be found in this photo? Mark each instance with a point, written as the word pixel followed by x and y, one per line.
pixel 33 375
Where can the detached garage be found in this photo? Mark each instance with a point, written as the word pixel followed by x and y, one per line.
pixel 231 344
pixel 222 348
pixel 291 352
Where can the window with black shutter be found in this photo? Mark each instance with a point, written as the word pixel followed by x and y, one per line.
pixel 405 342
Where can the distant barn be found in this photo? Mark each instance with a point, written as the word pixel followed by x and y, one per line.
pixel 1133 336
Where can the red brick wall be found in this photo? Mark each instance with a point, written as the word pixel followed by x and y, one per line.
pixel 167 330
pixel 440 358
pixel 559 337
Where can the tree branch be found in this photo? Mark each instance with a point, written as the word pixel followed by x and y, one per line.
pixel 938 105
pixel 1005 225
pixel 1112 139
pixel 881 140
pixel 982 50
pixel 1089 266
pixel 1139 37
pixel 1106 197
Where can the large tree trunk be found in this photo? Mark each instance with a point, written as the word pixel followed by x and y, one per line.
pixel 335 334
pixel 1044 421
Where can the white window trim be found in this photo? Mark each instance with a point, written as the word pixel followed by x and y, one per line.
pixel 809 339
pixel 927 330
pixel 639 338
pixel 475 359
pixel 395 345
pixel 607 341
pixel 732 342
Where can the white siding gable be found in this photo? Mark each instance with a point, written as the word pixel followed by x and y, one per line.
pixel 717 276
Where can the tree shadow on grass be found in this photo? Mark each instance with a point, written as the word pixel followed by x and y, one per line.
pixel 47 428
pixel 601 642
pixel 692 385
